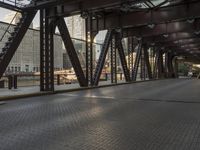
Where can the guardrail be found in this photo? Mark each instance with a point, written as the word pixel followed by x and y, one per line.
pixel 15 80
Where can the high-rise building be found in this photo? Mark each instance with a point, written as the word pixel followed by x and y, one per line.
pixel 76 26
pixel 27 56
pixel 27 59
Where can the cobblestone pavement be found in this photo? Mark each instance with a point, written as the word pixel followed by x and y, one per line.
pixel 157 115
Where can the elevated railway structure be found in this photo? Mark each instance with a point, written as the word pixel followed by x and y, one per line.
pixel 170 27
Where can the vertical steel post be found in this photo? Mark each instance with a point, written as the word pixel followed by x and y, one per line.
pixel 175 67
pixel 113 61
pixel 47 29
pixel 159 65
pixel 102 57
pixel 42 50
pixel 122 56
pixel 170 65
pixel 147 62
pixel 69 46
pixel 142 66
pixel 166 65
pixel 130 54
pixel 89 51
pixel 137 61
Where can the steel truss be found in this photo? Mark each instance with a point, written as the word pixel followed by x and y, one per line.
pixel 142 59
pixel 14 40
pixel 114 40
pixel 71 52
pixel 47 62
pixel 179 24
pixel 164 69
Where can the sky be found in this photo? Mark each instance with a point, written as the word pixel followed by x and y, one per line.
pixel 4 12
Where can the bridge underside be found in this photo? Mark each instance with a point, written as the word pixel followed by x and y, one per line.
pixel 151 115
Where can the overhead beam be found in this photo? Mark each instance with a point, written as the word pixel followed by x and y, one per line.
pixel 66 7
pixel 116 20
pixel 172 37
pixel 187 46
pixel 161 29
pixel 181 42
pixel 162 15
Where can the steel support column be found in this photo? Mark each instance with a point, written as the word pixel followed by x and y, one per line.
pixel 175 68
pixel 47 28
pixel 155 68
pixel 137 61
pixel 113 61
pixel 16 36
pixel 90 34
pixel 131 48
pixel 153 62
pixel 102 57
pixel 166 65
pixel 160 68
pixel 142 65
pixel 118 38
pixel 170 70
pixel 147 62
pixel 71 52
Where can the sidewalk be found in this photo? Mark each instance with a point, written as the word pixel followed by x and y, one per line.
pixel 35 90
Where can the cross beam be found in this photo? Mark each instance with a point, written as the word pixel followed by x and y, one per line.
pixel 172 37
pixel 162 15
pixel 161 29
